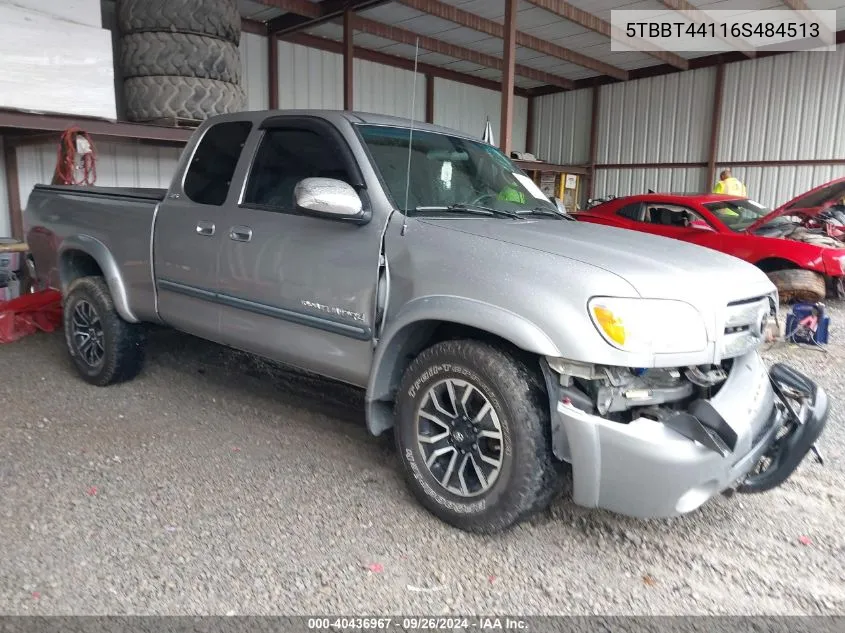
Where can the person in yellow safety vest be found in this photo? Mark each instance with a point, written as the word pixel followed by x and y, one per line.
pixel 730 185
pixel 509 193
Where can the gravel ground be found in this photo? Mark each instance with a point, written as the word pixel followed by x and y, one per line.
pixel 215 484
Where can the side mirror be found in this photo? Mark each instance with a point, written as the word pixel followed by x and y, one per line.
pixel 700 225
pixel 559 204
pixel 328 198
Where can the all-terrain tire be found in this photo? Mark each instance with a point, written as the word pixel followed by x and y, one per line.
pixel 799 285
pixel 123 342
pixel 181 55
pixel 215 18
pixel 149 98
pixel 529 478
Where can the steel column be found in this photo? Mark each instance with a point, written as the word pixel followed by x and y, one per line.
pixel 716 124
pixel 348 59
pixel 508 71
pixel 273 71
pixel 10 156
pixel 429 98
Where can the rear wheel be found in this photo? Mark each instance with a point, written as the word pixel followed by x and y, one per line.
pixel 104 348
pixel 473 434
pixel 799 285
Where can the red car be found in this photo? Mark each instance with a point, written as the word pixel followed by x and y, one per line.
pixel 801 244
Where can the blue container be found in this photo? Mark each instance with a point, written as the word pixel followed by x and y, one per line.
pixel 796 334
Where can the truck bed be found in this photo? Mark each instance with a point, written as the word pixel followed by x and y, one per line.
pixel 138 193
pixel 115 224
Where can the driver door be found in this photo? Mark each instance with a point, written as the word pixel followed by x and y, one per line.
pixel 680 223
pixel 294 287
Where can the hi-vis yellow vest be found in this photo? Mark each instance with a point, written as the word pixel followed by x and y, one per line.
pixel 730 186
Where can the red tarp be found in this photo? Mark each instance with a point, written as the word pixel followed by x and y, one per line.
pixel 30 313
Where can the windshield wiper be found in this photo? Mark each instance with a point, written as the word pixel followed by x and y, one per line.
pixel 548 212
pixel 471 208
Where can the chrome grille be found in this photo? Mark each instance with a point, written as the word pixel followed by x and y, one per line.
pixel 745 326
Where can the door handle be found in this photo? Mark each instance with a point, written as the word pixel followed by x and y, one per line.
pixel 205 228
pixel 240 233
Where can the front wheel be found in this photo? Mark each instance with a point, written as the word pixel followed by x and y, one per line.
pixel 473 435
pixel 104 348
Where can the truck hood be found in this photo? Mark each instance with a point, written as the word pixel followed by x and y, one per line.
pixel 656 267
pixel 810 202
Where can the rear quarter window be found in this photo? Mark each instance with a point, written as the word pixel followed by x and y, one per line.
pixel 631 211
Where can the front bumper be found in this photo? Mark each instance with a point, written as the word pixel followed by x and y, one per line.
pixel 647 469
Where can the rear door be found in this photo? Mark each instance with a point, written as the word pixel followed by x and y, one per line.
pixel 190 227
pixel 298 288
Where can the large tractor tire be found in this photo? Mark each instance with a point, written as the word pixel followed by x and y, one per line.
pixel 799 285
pixel 150 98
pixel 215 18
pixel 181 55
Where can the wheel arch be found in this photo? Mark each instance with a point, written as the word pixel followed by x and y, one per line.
pixel 429 320
pixel 82 256
pixel 771 264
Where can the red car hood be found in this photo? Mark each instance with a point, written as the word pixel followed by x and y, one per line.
pixel 813 201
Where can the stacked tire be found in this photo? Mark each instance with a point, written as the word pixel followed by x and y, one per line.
pixel 180 58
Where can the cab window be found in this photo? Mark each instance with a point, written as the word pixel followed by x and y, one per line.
pixel 672 215
pixel 286 156
pixel 213 165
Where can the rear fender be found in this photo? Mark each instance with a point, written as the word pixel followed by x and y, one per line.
pixel 408 333
pixel 100 253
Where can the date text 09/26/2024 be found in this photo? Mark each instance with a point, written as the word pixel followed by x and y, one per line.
pixel 337 624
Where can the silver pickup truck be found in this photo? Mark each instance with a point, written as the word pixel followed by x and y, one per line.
pixel 504 344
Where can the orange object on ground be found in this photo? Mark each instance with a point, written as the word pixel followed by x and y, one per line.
pixel 30 313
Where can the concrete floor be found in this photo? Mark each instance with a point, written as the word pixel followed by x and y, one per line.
pixel 216 483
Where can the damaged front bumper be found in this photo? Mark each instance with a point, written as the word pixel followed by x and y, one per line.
pixel 649 468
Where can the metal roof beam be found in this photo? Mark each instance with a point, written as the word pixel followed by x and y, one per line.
pixel 685 8
pixel 596 24
pixel 302 14
pixel 403 36
pixel 806 12
pixel 333 46
pixel 490 27
pixel 322 11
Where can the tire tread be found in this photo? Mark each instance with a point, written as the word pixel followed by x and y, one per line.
pixel 126 358
pixel 179 55
pixel 535 487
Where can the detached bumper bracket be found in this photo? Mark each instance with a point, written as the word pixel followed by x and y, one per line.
pixel 788 451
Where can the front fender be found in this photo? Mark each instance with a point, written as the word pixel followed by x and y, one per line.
pixel 407 333
pixel 95 249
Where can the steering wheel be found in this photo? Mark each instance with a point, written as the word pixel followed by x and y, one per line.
pixel 483 196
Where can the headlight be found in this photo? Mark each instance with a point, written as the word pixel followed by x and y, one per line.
pixel 658 326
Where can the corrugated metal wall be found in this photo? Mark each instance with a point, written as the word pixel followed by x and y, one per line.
pixel 789 107
pixel 311 78
pixel 5 220
pixel 464 107
pixel 656 120
pixel 387 90
pixel 623 182
pixel 772 186
pixel 118 165
pixel 562 127
pixel 254 63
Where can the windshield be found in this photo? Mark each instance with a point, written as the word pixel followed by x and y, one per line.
pixel 738 215
pixel 448 172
